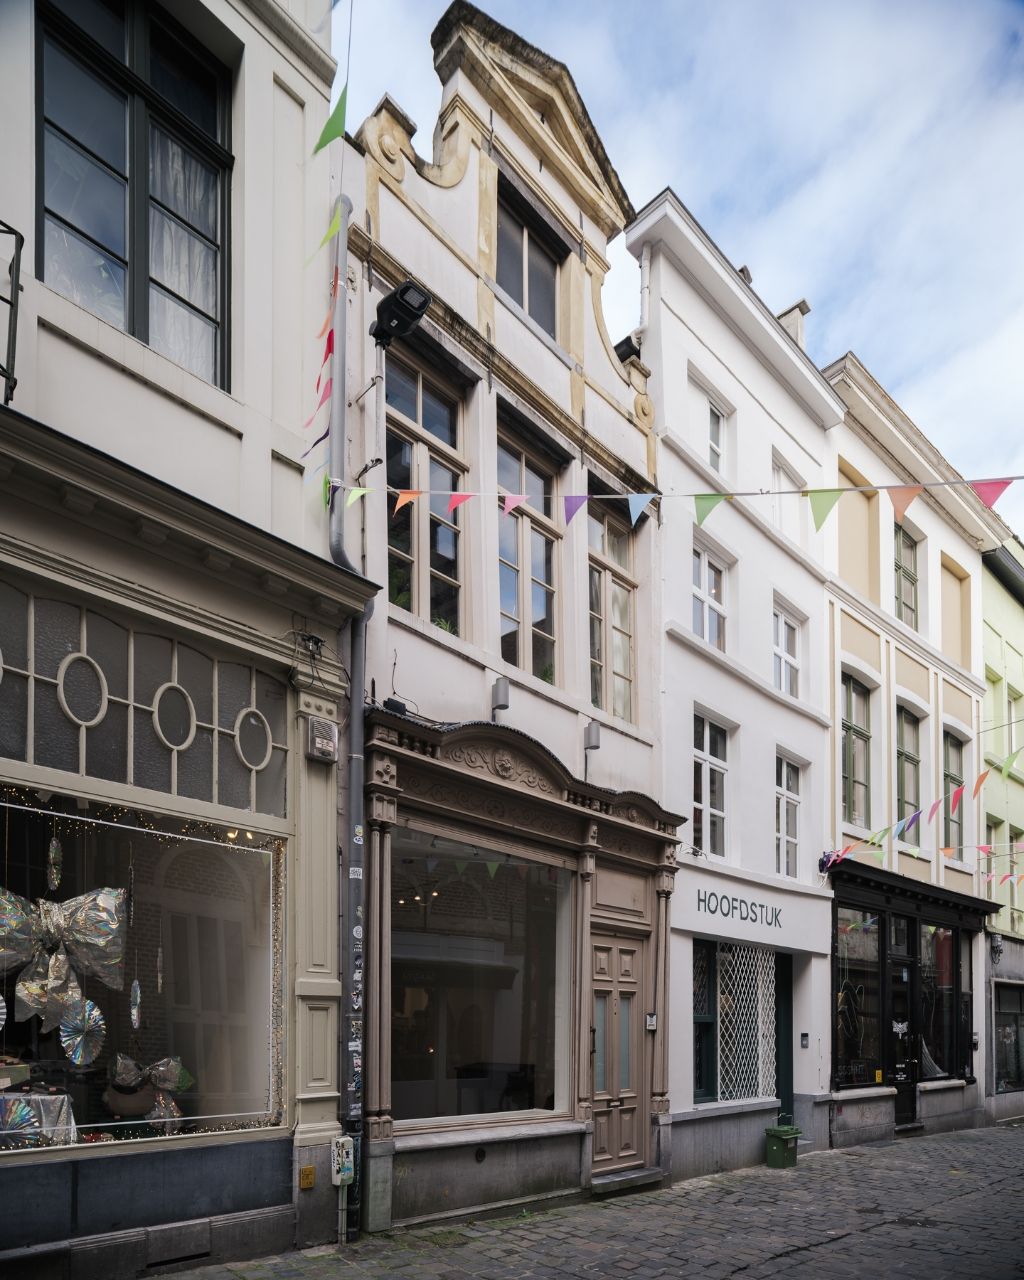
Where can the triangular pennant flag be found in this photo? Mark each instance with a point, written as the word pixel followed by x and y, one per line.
pixel 335 126
pixel 901 496
pixel 947 851
pixel 328 352
pixel 822 501
pixel 637 503
pixel 1020 879
pixel 332 230
pixel 330 310
pixel 405 496
pixel 989 491
pixel 1009 762
pixel 325 396
pixel 319 440
pixel 354 495
pixel 935 808
pixel 1008 876
pixel 457 499
pixel 511 501
pixel 329 487
pixel 898 829
pixel 492 869
pixel 879 854
pixel 705 503
pixel 912 820
pixel 573 502
pixel 981 782
pixel 954 804
pixel 990 876
pixel 985 850
pixel 460 865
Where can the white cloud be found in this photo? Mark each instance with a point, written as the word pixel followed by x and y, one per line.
pixel 866 156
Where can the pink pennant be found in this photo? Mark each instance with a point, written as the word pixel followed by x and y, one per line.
pixel 935 808
pixel 989 491
pixel 573 502
pixel 405 496
pixel 901 497
pixel 985 850
pixel 980 783
pixel 511 501
pixel 954 804
pixel 328 352
pixel 323 400
pixel 457 499
pixel 1008 876
pixel 990 876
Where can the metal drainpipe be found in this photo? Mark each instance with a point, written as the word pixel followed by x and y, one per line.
pixel 350 844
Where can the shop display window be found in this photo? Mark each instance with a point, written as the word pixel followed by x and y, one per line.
pixel 1009 1003
pixel 858 1047
pixel 938 1002
pixel 479 980
pixel 139 975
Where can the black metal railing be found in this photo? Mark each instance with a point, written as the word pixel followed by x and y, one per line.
pixel 7 368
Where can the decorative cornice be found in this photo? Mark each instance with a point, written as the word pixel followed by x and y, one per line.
pixel 273 15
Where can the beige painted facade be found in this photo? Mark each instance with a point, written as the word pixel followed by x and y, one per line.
pixel 174 515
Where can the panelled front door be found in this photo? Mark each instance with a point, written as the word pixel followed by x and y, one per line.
pixel 619 1073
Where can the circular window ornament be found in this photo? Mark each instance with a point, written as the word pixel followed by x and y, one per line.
pixel 82 690
pixel 174 717
pixel 253 739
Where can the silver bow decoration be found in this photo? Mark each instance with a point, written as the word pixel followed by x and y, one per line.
pixel 53 940
pixel 167 1076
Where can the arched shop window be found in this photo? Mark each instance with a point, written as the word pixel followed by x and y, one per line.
pixel 166 1019
pixel 82 692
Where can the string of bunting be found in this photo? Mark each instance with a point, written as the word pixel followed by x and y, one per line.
pixel 822 501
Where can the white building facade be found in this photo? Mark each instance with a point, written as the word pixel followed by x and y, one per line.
pixel 740 408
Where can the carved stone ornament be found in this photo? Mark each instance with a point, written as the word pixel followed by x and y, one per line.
pixel 501 763
pixel 643 407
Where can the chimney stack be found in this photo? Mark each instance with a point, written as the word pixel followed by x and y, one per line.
pixel 793 321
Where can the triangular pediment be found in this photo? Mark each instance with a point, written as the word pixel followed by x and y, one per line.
pixel 537 97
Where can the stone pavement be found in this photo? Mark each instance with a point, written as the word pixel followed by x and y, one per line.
pixel 942 1206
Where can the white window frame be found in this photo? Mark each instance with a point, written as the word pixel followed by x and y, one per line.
pixel 783 661
pixel 1014 713
pixel 902 537
pixel 428 448
pixel 612 574
pixel 716 426
pixel 530 236
pixel 703 600
pixel 704 764
pixel 786 799
pixel 528 519
pixel 787 505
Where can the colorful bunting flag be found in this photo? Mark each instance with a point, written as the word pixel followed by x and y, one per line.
pixel 460 865
pixel 989 491
pixel 354 495
pixel 980 783
pixel 1009 762
pixel 947 851
pixel 822 502
pixel 901 497
pixel 328 492
pixel 319 440
pixel 985 850
pixel 957 796
pixel 492 869
pixel 325 396
pixel 330 310
pixel 405 496
pixel 637 503
pixel 335 126
pixel 911 821
pixel 1008 876
pixel 573 502
pixel 457 499
pixel 899 828
pixel 328 352
pixel 935 808
pixel 511 501
pixel 705 503
pixel 333 229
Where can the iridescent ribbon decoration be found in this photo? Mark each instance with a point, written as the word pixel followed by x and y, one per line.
pixel 54 864
pixel 82 1031
pixel 19 1124
pixel 54 939
pixel 166 1076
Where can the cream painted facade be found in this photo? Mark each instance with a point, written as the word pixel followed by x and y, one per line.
pixel 163 552
pixel 509 385
pixel 740 407
pixel 906 687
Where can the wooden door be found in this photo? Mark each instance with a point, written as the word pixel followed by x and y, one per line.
pixel 618 1067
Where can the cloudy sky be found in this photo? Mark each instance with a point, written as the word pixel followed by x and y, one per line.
pixel 865 154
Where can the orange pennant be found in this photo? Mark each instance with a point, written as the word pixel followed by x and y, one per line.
pixel 901 497
pixel 947 852
pixel 405 496
pixel 980 783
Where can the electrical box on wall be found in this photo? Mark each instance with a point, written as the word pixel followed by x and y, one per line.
pixel 321 740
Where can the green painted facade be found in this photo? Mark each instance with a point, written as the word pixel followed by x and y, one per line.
pixel 1003 733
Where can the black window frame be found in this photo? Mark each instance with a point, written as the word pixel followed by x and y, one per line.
pixel 851 730
pixel 1006 1084
pixel 145 107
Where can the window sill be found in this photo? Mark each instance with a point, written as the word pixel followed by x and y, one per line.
pixel 521 314
pixel 144 1146
pixel 710 1110
pixel 528 1128
pixel 860 1092
pixel 684 636
pixel 939 1086
pixel 74 324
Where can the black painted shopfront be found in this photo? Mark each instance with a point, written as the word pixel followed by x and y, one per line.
pixel 903 983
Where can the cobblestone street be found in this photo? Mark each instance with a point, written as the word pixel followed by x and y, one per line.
pixel 943 1206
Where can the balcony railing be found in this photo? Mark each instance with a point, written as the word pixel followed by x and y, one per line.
pixel 7 368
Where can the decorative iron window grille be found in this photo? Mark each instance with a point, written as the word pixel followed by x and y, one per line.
pixel 746 1022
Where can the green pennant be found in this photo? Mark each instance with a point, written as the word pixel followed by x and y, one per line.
pixel 333 229
pixel 460 866
pixel 492 868
pixel 822 501
pixel 335 126
pixel 354 495
pixel 705 503
pixel 1009 762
